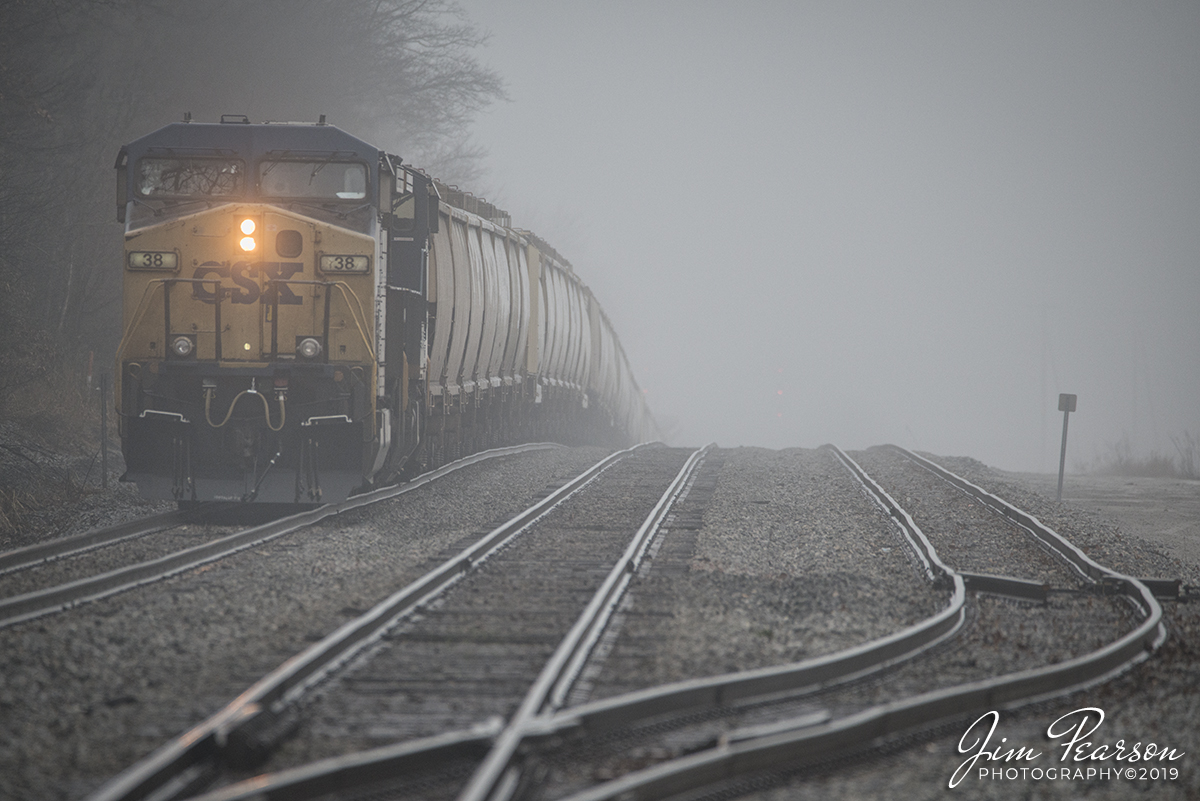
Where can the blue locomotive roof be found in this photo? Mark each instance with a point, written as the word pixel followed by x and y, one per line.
pixel 250 140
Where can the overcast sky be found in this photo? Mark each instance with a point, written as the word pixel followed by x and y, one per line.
pixel 865 223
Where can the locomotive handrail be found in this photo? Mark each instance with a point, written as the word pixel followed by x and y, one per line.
pixel 360 324
pixel 218 295
pixel 142 308
pixel 348 296
pixel 138 313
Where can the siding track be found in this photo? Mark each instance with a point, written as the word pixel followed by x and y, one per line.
pixel 51 599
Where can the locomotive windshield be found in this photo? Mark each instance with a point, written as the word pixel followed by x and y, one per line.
pixel 327 185
pixel 328 180
pixel 189 177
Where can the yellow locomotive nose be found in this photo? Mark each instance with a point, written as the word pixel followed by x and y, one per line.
pixel 248 242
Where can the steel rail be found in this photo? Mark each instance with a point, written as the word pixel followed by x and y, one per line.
pixel 496 777
pixel 1060 546
pixel 761 684
pixel 327 776
pixel 809 740
pixel 756 686
pixel 229 736
pixel 46 601
pixel 1169 589
pixel 42 552
pixel 935 569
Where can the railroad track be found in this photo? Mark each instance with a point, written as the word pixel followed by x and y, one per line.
pixel 767 722
pixel 43 553
pixel 53 576
pixel 776 721
pixel 251 726
pixel 450 753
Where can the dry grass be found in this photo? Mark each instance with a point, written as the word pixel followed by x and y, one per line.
pixel 49 447
pixel 45 509
pixel 60 411
pixel 1120 460
pixel 1187 445
pixel 15 505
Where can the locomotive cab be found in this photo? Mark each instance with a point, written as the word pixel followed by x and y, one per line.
pixel 252 363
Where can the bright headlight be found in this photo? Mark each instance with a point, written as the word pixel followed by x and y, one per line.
pixel 309 348
pixel 247 226
pixel 247 243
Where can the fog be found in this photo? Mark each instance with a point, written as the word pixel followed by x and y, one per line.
pixel 912 223
pixel 809 222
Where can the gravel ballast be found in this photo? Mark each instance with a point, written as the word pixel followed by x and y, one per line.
pixel 87 692
pixel 475 652
pixel 1155 702
pixel 703 617
pixel 968 536
pixel 792 561
pixel 750 583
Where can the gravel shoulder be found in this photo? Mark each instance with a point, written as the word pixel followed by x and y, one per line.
pixel 1141 527
pixel 1164 512
pixel 48 490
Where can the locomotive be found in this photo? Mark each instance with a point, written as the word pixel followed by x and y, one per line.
pixel 306 316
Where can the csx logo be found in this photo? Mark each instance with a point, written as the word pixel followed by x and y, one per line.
pixel 245 276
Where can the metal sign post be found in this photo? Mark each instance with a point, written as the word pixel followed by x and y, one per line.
pixel 1066 405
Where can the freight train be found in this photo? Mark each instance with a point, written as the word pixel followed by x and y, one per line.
pixel 306 316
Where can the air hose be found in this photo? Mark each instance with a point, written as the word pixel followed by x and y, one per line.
pixel 208 395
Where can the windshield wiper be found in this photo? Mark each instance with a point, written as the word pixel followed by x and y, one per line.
pixel 329 208
pixel 173 204
pixel 278 160
pixel 321 166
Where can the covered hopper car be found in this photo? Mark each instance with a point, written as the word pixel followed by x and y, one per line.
pixel 306 315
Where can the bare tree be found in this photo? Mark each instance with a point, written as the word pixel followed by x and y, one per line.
pixel 80 77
